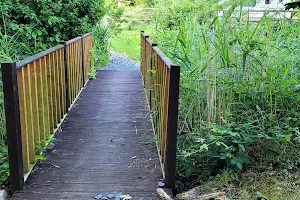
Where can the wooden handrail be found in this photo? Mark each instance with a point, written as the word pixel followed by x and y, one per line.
pixel 38 56
pixel 38 93
pixel 161 81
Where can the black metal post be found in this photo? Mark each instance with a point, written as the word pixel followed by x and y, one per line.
pixel 13 125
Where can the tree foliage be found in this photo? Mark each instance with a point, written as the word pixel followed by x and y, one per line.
pixel 44 23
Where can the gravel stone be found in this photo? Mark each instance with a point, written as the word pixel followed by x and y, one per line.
pixel 110 196
pixel 120 62
pixel 119 194
pixel 3 195
pixel 98 196
pixel 161 184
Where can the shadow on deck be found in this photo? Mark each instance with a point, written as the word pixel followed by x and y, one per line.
pixel 105 145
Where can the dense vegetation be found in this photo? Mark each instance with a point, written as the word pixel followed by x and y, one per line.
pixel 239 94
pixel 28 27
pixel 10 49
pixel 43 23
pixel 239 105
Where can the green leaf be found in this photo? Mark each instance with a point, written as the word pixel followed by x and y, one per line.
pixel 230 148
pixel 200 140
pixel 221 143
pixel 40 157
pixel 239 165
pixel 204 146
pixel 242 147
pixel 287 138
pixel 39 32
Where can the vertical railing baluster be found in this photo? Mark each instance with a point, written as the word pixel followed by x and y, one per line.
pixel 66 78
pixel 166 94
pixel 82 61
pixel 27 98
pixel 13 125
pixel 151 75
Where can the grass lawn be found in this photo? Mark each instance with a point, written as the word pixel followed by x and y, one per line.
pixel 128 40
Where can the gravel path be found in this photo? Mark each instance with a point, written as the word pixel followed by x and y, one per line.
pixel 121 62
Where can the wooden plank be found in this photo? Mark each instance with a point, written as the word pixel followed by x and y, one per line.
pixel 29 89
pixel 86 58
pixel 163 112
pixel 58 85
pixel 66 78
pixel 74 71
pixel 80 75
pixel 69 65
pixel 35 103
pixel 89 52
pixel 87 46
pixel 113 124
pixel 73 40
pixel 40 93
pixel 13 125
pixel 38 56
pixel 63 87
pixel 73 84
pixel 23 117
pixel 47 67
pixel 77 66
pixel 72 64
pixel 45 88
pixel 82 61
pixel 52 67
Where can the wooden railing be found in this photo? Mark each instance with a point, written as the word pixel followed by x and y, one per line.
pixel 161 81
pixel 38 93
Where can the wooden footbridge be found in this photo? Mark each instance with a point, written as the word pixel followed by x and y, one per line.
pixel 116 133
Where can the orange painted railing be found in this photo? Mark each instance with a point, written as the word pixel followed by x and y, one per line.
pixel 161 81
pixel 38 93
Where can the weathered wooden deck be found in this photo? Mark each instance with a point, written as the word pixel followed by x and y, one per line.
pixel 104 146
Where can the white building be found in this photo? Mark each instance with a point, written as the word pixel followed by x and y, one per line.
pixel 271 4
pixel 271 8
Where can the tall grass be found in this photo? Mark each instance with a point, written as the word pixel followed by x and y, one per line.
pixel 239 105
pixel 10 50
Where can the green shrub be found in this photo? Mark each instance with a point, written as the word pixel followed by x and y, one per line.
pixel 10 49
pixel 44 23
pixel 100 48
pixel 29 27
pixel 239 105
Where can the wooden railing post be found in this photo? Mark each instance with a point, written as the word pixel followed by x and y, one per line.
pixel 151 75
pixel 66 77
pixel 82 61
pixel 171 139
pixel 142 51
pixel 144 57
pixel 13 125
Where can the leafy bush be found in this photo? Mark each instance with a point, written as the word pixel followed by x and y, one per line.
pixel 29 27
pixel 239 105
pixel 10 49
pixel 44 23
pixel 100 48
